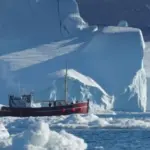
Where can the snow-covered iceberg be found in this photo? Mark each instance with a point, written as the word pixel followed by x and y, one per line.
pixel 46 34
pixel 80 87
pixel 115 57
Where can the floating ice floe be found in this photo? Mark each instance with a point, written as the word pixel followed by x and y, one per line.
pixel 5 139
pixel 40 137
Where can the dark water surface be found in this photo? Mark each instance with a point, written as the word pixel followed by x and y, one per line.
pixel 115 139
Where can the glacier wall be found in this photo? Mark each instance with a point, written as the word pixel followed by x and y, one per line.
pixel 148 94
pixel 147 66
pixel 37 37
pixel 27 24
pixel 115 56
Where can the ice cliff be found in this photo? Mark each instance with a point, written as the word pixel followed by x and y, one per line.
pixel 38 37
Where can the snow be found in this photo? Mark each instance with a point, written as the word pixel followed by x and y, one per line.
pixel 38 136
pixel 5 139
pixel 77 121
pixel 148 94
pixel 4 132
pixel 87 89
pixel 117 67
pixel 74 23
pixel 107 64
pixel 147 66
pixel 77 76
pixel 51 132
pixel 146 59
pixel 123 23
pixel 1 106
pixel 29 57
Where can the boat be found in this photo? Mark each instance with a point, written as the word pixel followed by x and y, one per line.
pixel 21 106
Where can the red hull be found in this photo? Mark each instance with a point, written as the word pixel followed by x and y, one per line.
pixel 81 108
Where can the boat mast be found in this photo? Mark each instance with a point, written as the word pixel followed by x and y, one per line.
pixel 66 87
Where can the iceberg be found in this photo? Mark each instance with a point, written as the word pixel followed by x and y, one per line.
pixel 46 34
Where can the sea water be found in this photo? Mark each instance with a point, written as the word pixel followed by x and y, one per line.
pixel 115 139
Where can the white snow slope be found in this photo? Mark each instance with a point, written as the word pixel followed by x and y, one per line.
pixel 38 37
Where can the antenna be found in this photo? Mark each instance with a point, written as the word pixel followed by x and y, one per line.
pixel 66 87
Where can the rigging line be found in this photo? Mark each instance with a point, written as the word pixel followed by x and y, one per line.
pixel 32 12
pixel 60 21
pixel 65 28
pixel 59 17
